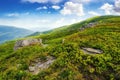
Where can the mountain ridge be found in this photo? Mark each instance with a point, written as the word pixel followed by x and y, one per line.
pixel 9 33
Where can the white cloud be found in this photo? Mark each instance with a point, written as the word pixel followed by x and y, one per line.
pixel 72 8
pixel 117 3
pixel 35 1
pixel 66 21
pixel 39 23
pixel 108 8
pixel 49 12
pixel 93 13
pixel 35 24
pixel 27 13
pixel 16 14
pixel 12 14
pixel 111 9
pixel 117 6
pixel 43 21
pixel 60 21
pixel 39 8
pixel 44 7
pixel 56 7
pixel 80 1
pixel 55 1
pixel 42 1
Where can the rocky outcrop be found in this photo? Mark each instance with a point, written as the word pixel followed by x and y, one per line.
pixel 36 66
pixel 92 51
pixel 27 42
pixel 88 26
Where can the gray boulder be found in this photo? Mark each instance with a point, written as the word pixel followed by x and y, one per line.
pixel 27 42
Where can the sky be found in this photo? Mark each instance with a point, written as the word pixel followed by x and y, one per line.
pixel 43 15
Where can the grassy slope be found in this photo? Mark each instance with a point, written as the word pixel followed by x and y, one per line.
pixel 70 29
pixel 71 63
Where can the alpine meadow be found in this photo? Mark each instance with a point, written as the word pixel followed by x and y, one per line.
pixel 60 40
pixel 66 45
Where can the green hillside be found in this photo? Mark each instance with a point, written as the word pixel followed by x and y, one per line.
pixel 66 44
pixel 74 28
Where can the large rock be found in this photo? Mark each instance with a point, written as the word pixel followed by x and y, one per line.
pixel 27 42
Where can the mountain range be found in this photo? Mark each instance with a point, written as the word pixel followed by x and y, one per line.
pixel 9 33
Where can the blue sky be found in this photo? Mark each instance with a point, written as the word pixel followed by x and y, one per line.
pixel 42 15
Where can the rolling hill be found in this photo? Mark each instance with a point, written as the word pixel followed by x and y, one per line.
pixel 88 50
pixel 9 33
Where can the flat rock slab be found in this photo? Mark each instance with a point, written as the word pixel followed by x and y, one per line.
pixel 38 66
pixel 92 51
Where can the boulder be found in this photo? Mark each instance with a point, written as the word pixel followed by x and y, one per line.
pixel 27 42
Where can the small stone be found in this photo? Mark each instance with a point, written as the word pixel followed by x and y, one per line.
pixel 31 68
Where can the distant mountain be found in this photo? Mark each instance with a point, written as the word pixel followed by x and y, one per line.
pixel 10 33
pixel 39 33
pixel 35 34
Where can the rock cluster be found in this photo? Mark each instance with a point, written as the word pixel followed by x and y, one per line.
pixel 27 42
pixel 38 65
pixel 88 26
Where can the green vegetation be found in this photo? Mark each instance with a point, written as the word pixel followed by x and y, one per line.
pixel 70 62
